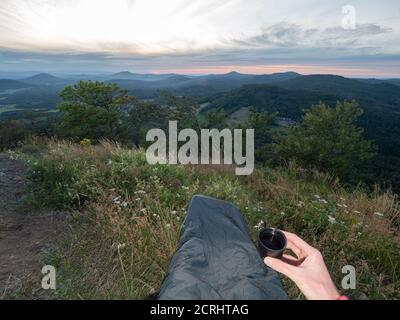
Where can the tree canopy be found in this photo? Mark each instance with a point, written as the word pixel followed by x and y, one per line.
pixel 92 110
pixel 329 140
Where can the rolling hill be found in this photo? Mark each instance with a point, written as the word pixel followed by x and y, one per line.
pixel 380 101
pixel 48 80
pixel 383 93
pixel 289 103
pixel 7 84
pixel 376 94
pixel 126 75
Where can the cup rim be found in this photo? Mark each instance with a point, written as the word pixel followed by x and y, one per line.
pixel 275 230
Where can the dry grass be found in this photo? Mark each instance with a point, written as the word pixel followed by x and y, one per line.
pixel 117 251
pixel 130 213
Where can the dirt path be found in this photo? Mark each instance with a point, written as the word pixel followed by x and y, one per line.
pixel 24 236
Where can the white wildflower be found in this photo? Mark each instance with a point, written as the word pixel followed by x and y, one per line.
pixel 323 201
pixel 121 246
pixel 259 225
pixel 173 212
pixel 358 212
pixel 378 214
pixel 317 196
pixel 283 213
pixel 168 225
pixel 144 210
pixel 331 219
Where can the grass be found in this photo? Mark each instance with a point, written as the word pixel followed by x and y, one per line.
pixel 123 209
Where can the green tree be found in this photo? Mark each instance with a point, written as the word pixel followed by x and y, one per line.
pixel 261 122
pixel 328 139
pixel 145 116
pixel 216 119
pixel 181 109
pixel 93 110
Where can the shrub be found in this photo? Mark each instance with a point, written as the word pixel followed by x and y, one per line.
pixel 328 139
pixel 12 135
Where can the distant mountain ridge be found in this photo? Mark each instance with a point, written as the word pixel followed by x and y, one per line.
pixel 46 79
pixel 126 75
pixel 202 86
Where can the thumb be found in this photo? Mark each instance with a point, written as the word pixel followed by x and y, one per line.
pixel 280 266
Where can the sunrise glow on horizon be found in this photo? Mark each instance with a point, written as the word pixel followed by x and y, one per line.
pixel 301 69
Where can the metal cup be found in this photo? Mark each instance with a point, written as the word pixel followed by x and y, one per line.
pixel 271 243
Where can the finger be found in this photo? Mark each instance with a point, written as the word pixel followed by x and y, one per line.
pixel 292 260
pixel 280 266
pixel 298 243
pixel 296 250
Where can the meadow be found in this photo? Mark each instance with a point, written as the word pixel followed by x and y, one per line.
pixel 122 209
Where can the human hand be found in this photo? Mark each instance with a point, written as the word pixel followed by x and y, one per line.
pixel 308 270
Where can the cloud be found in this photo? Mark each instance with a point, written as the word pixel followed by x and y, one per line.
pixel 146 35
pixel 293 35
pixel 261 60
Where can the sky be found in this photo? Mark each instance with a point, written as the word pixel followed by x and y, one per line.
pixel 355 38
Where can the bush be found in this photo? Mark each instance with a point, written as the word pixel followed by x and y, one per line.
pixel 12 134
pixel 328 139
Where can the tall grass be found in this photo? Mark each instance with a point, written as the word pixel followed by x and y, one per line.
pixel 127 218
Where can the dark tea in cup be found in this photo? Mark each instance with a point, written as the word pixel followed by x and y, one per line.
pixel 271 243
